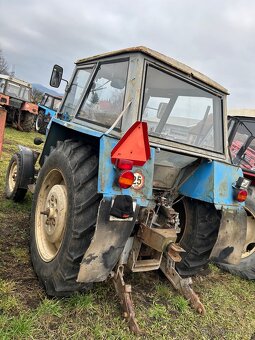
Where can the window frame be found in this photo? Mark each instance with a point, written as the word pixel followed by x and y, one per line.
pixel 176 74
pixel 80 67
pixel 90 83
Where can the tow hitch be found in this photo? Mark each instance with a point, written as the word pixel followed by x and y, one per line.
pixel 151 249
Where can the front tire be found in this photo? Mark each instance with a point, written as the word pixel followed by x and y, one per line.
pixel 199 222
pixel 13 179
pixel 63 217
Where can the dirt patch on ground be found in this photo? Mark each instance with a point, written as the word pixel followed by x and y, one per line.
pixel 15 265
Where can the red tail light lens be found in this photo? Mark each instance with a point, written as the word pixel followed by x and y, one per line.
pixel 124 164
pixel 126 179
pixel 241 195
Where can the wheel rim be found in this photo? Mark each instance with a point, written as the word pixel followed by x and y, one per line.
pixel 50 216
pixel 37 123
pixel 249 247
pixel 13 176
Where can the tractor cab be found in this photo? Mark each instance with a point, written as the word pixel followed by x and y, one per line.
pixel 241 124
pixel 47 109
pixel 18 90
pixel 184 110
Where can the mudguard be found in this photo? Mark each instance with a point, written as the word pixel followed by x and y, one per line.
pixel 106 246
pixel 30 107
pixel 27 167
pixel 231 237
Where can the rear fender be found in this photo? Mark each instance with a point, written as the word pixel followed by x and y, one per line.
pixel 214 182
pixel 107 244
pixel 4 100
pixel 28 159
pixel 30 107
pixel 231 237
pixel 59 130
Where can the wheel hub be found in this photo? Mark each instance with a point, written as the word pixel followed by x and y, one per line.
pixel 55 213
pixel 249 247
pixel 51 215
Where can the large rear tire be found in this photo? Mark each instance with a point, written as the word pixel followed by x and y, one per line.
pixel 27 122
pixel 13 179
pixel 63 217
pixel 246 267
pixel 199 222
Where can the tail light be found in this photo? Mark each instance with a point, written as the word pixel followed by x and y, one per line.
pixel 126 179
pixel 124 164
pixel 241 189
pixel 241 195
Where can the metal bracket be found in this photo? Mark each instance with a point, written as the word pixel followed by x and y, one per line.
pixel 181 284
pixel 124 292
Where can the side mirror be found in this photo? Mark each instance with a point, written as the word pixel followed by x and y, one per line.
pixel 56 76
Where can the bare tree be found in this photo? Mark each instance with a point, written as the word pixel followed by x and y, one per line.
pixel 4 67
pixel 36 96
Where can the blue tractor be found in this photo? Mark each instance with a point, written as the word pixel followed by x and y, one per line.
pixel 134 173
pixel 47 109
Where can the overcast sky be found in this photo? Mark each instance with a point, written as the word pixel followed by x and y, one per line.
pixel 216 37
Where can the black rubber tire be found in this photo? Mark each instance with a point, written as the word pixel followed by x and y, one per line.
pixel 27 121
pixel 199 222
pixel 16 193
pixel 41 125
pixel 246 267
pixel 79 167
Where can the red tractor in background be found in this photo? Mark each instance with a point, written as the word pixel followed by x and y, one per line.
pixel 15 97
pixel 241 127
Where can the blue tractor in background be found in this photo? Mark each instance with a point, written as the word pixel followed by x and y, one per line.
pixel 47 109
pixel 138 177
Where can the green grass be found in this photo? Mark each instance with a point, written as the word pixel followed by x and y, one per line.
pixel 27 313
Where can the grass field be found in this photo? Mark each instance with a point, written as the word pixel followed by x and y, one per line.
pixel 27 313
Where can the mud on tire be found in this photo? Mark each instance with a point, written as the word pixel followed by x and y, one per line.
pixel 27 122
pixel 70 170
pixel 199 224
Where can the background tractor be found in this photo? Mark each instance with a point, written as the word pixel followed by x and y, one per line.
pixel 242 150
pixel 47 109
pixel 15 97
pixel 134 175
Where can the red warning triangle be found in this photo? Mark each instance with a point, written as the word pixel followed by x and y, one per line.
pixel 134 145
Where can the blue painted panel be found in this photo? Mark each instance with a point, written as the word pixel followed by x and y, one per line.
pixel 77 127
pixel 47 111
pixel 107 174
pixel 213 182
